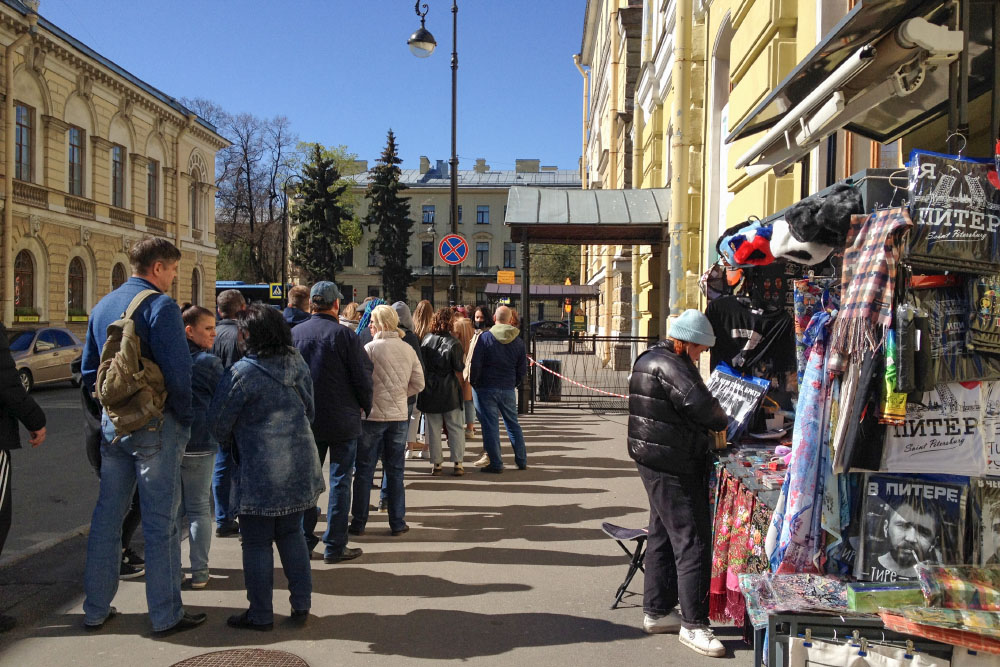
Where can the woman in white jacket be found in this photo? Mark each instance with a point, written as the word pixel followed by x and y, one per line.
pixel 396 375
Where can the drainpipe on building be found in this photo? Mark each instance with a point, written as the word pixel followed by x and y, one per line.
pixel 8 181
pixel 583 153
pixel 609 253
pixel 181 196
pixel 680 114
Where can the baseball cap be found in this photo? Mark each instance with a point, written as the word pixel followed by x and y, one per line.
pixel 325 293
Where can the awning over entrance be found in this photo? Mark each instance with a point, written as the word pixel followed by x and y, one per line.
pixel 547 215
pixel 545 291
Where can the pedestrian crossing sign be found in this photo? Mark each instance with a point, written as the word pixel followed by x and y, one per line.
pixel 276 291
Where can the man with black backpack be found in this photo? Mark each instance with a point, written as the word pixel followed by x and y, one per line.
pixel 145 425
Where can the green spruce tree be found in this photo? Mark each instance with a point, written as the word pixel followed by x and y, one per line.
pixel 389 215
pixel 319 242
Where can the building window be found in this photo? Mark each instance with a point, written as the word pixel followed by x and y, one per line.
pixel 482 254
pixel 195 288
pixel 23 142
pixel 118 276
pixel 427 293
pixel 118 176
pixel 373 291
pixel 481 298
pixel 460 214
pixel 77 285
pixel 428 215
pixel 76 144
pixel 152 188
pixel 373 258
pixel 347 259
pixel 482 215
pixel 509 255
pixel 348 292
pixel 24 280
pixel 427 253
pixel 193 205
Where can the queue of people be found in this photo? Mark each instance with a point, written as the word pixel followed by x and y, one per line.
pixel 244 410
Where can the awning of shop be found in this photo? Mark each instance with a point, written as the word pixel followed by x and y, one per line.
pixel 546 291
pixel 547 215
pixel 868 76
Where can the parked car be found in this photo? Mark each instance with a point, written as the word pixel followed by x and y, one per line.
pixel 549 329
pixel 43 356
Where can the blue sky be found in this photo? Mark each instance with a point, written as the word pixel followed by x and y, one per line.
pixel 342 73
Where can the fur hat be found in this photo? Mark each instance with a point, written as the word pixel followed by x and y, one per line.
pixel 785 245
pixel 827 220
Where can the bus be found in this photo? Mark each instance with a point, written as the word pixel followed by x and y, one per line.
pixel 260 292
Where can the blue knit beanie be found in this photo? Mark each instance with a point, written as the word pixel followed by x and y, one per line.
pixel 692 326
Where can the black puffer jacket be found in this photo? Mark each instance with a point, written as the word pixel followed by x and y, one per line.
pixel 15 404
pixel 443 358
pixel 670 412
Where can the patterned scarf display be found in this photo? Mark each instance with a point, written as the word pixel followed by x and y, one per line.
pixel 809 296
pixel 725 511
pixel 866 309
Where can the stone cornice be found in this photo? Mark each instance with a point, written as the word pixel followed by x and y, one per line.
pixel 139 159
pixel 55 124
pixel 101 142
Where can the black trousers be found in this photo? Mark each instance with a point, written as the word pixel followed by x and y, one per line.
pixel 5 497
pixel 679 549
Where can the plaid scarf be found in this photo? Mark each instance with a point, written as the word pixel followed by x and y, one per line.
pixel 866 308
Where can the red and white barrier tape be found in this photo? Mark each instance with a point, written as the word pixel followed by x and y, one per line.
pixel 559 375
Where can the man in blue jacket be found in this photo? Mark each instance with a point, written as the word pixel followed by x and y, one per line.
pixel 342 387
pixel 497 368
pixel 229 303
pixel 150 456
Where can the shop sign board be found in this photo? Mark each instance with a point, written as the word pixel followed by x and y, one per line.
pixel 505 277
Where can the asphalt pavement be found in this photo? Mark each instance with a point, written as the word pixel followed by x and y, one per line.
pixel 496 569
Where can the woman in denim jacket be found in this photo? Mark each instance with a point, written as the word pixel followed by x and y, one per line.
pixel 199 457
pixel 265 403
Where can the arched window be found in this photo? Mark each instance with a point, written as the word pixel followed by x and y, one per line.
pixel 118 276
pixel 75 302
pixel 193 202
pixel 195 288
pixel 24 280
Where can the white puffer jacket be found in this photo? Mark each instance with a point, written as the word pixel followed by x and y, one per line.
pixel 396 376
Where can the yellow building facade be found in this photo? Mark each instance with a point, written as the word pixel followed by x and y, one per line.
pixel 94 160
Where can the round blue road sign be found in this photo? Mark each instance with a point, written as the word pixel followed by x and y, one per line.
pixel 453 249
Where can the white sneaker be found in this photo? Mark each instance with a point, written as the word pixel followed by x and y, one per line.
pixel 483 461
pixel 655 625
pixel 701 640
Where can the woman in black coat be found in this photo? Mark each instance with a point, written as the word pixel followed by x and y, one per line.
pixel 671 413
pixel 441 399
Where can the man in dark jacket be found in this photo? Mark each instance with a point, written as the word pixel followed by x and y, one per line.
pixel 229 303
pixel 15 406
pixel 497 367
pixel 298 302
pixel 342 387
pixel 671 412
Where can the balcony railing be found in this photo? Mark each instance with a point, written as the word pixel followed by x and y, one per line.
pixel 120 216
pixel 81 208
pixel 156 225
pixel 468 269
pixel 32 195
pixel 196 234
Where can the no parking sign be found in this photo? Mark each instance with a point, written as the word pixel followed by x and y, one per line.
pixel 453 249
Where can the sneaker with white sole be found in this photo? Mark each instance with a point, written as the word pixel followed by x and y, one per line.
pixel 701 640
pixel 483 461
pixel 656 624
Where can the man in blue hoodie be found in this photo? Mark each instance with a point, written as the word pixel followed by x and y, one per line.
pixel 497 368
pixel 150 456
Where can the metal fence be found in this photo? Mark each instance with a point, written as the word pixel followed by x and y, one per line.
pixel 601 364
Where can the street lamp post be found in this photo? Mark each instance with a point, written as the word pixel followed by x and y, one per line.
pixel 433 232
pixel 422 44
pixel 284 233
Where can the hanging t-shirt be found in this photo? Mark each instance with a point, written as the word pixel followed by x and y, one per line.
pixel 745 336
pixel 948 312
pixel 984 320
pixel 943 435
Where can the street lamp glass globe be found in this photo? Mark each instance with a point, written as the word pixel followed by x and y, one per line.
pixel 422 43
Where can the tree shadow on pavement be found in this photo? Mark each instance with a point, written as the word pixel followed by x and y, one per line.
pixel 498 487
pixel 494 556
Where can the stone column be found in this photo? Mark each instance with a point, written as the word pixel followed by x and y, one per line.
pixel 100 153
pixel 54 173
pixel 139 163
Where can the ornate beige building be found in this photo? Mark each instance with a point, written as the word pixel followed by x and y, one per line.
pixel 94 160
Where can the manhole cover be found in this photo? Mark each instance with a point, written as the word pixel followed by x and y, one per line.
pixel 244 657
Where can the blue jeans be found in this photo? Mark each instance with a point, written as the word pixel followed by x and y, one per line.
pixel 222 485
pixel 342 459
pixel 259 534
pixel 196 489
pixel 491 405
pixel 411 436
pixel 388 441
pixel 152 456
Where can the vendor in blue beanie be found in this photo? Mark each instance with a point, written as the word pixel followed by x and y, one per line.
pixel 671 413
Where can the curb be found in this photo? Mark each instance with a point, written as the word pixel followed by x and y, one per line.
pixel 45 545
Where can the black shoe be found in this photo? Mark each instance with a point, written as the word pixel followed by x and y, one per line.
pixel 522 466
pixel 126 571
pixel 491 469
pixel 349 553
pixel 404 529
pixel 132 558
pixel 112 612
pixel 7 623
pixel 383 506
pixel 228 529
pixel 187 622
pixel 243 622
pixel 299 617
pixel 355 530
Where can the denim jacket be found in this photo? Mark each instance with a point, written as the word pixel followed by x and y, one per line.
pixel 206 371
pixel 266 405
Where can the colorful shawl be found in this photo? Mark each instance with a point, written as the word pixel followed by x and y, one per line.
pixel 866 310
pixel 808 299
pixel 961 586
pixel 724 514
pixel 366 317
pixel 739 552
